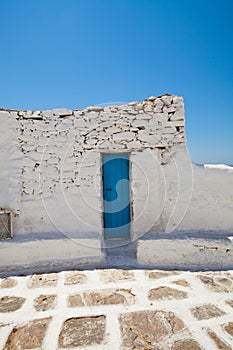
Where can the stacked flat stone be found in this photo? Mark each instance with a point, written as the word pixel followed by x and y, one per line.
pixel 155 122
pixel 44 137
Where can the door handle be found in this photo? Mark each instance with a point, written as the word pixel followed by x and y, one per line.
pixel 108 189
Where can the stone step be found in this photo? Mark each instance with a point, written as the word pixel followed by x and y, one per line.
pixel 186 251
pixel 32 254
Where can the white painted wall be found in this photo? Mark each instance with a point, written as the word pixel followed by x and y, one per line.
pixel 51 171
pixel 10 165
pixel 194 198
pixel 51 163
pixel 211 205
pixel 185 252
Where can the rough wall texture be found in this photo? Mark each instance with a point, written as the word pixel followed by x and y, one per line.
pixel 56 142
pixel 51 175
pixel 58 160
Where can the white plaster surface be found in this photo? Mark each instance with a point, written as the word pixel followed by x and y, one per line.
pixel 188 252
pixel 50 253
pixel 51 179
pixel 51 176
pixel 211 205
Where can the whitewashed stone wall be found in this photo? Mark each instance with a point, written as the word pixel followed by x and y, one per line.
pixel 57 141
pixel 51 170
pixel 58 160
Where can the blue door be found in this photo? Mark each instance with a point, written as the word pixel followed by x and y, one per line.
pixel 116 195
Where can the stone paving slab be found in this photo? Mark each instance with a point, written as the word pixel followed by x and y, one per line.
pixel 117 310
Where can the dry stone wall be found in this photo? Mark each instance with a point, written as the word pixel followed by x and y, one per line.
pixel 55 141
pixel 51 178
pixel 55 164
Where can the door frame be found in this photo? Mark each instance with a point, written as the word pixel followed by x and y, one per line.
pixel 130 194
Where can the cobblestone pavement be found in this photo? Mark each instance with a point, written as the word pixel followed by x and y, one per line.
pixel 117 309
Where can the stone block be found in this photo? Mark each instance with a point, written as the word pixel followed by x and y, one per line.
pixel 230 302
pixel 45 302
pixel 105 144
pixel 186 344
pixel 30 336
pixel 177 115
pixel 218 282
pixel 95 108
pixel 10 304
pixel 169 109
pixel 75 300
pixel 204 312
pixel 25 113
pixel 106 116
pixel 219 342
pixel 148 328
pixel 177 100
pixel 146 137
pixel 106 124
pixel 8 283
pixel 102 297
pixel 139 106
pixel 92 141
pixel 161 274
pixel 124 136
pixel 112 109
pixel 134 145
pixel 116 275
pixel 75 277
pixel 122 123
pixel 134 103
pixel 33 115
pixel 109 297
pixel 140 123
pixel 163 293
pixel 149 109
pixel 62 112
pixel 83 331
pixel 169 129
pixel 93 115
pixel 167 138
pixel 78 113
pixel 159 117
pixel 158 102
pixel 112 130
pixel 228 327
pixel 158 109
pixel 182 283
pixel 151 98
pixel 177 123
pixel 167 100
pixel 43 280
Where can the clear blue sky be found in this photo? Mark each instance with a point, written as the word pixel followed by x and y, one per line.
pixel 74 53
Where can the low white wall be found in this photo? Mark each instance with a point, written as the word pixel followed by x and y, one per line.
pixel 211 205
pixel 185 253
pixel 194 198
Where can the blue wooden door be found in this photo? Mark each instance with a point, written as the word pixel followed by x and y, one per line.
pixel 116 195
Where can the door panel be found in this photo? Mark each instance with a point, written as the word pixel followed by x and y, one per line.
pixel 116 195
